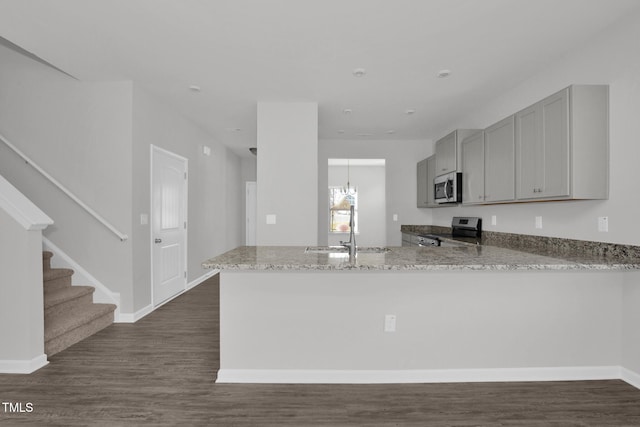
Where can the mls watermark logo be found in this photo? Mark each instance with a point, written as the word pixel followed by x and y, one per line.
pixel 17 407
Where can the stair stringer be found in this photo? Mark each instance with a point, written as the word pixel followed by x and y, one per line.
pixel 82 277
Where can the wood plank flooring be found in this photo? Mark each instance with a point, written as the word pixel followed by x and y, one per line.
pixel 161 370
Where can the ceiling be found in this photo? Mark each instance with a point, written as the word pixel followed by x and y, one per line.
pixel 241 52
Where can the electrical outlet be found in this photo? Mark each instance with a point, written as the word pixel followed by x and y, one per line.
pixel 395 217
pixel 494 220
pixel 603 224
pixel 271 219
pixel 538 222
pixel 390 323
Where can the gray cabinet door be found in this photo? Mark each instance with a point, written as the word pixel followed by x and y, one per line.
pixel 542 145
pixel 421 184
pixel 431 174
pixel 529 152
pixel 446 154
pixel 499 161
pixel 473 172
pixel 555 140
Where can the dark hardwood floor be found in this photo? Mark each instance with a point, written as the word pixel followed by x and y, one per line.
pixel 161 370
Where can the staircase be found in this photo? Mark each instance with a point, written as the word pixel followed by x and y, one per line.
pixel 69 312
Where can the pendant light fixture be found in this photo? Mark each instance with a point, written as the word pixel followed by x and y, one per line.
pixel 348 190
pixel 344 204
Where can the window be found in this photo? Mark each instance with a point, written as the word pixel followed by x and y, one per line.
pixel 339 209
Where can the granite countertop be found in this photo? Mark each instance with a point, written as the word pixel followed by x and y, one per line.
pixel 470 257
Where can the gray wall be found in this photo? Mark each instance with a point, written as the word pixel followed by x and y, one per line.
pixel 445 320
pixel 612 58
pixel 372 222
pixel 94 138
pixel 21 312
pixel 400 170
pixel 215 220
pixel 287 174
pixel 80 133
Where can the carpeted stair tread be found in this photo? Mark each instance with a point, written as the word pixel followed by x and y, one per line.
pixel 56 273
pixel 57 278
pixel 69 312
pixel 59 296
pixel 60 324
pixel 67 339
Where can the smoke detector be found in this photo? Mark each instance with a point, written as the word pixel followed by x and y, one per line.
pixel 359 72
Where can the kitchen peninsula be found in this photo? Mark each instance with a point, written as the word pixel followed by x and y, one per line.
pixel 425 314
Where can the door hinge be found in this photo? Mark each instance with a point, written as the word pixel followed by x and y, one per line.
pixel 185 175
pixel 185 274
pixel 185 225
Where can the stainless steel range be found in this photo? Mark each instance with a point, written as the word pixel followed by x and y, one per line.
pixel 464 230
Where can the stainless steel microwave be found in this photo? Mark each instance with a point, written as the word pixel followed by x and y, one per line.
pixel 448 188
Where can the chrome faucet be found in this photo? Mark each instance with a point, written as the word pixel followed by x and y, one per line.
pixel 351 244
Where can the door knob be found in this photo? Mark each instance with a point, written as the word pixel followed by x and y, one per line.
pixel 158 240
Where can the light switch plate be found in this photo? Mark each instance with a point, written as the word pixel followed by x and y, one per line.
pixel 271 219
pixel 144 219
pixel 494 220
pixel 390 323
pixel 603 224
pixel 395 217
pixel 538 222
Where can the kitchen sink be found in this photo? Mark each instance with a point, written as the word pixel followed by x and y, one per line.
pixel 342 249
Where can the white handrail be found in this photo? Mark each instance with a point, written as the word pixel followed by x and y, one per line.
pixel 72 196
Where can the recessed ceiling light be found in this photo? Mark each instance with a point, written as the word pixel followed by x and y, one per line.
pixel 341 131
pixel 359 72
pixel 194 88
pixel 347 111
pixel 409 111
pixel 365 134
pixel 390 131
pixel 233 129
pixel 444 73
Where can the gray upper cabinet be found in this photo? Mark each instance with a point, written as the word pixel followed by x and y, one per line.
pixel 562 146
pixel 446 154
pixel 431 174
pixel 499 162
pixel 488 164
pixel 473 170
pixel 426 170
pixel 448 151
pixel 422 184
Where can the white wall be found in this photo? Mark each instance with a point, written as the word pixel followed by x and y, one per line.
pixel 631 325
pixel 370 182
pixel 287 173
pixel 248 172
pixel 401 158
pixel 612 58
pixel 80 133
pixel 21 304
pixel 445 320
pixel 94 138
pixel 215 218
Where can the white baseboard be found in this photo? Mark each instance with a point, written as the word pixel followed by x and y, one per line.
pixel 134 317
pixel 294 376
pixel 23 366
pixel 201 279
pixel 81 276
pixel 630 377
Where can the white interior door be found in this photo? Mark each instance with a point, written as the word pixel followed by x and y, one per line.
pixel 169 224
pixel 252 213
